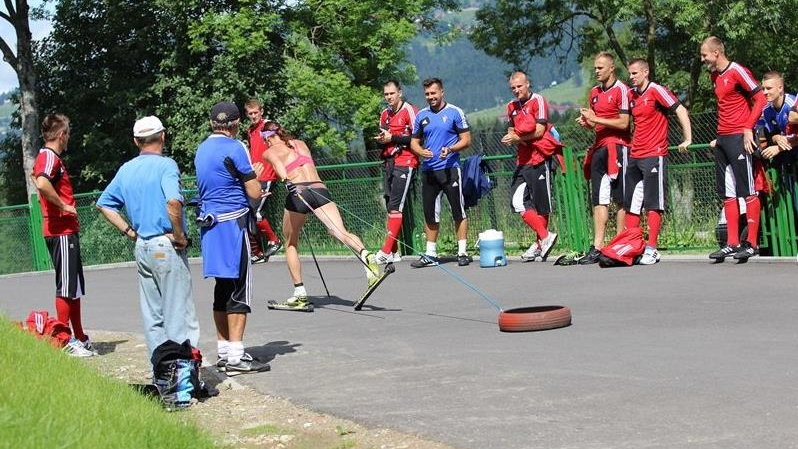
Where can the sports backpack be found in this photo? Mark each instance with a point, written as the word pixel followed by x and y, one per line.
pixel 623 250
pixel 42 325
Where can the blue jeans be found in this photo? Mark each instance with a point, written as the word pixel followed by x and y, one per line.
pixel 167 307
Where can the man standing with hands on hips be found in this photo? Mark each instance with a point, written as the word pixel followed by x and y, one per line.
pixel 440 133
pixel 148 187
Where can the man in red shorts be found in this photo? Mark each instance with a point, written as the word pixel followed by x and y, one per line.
pixel 740 104
pixel 60 228
pixel 268 180
pixel 645 177
pixel 396 127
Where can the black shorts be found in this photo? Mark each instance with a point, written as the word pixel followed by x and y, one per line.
pixel 315 197
pixel 65 254
pixel 234 295
pixel 434 184
pixel 645 184
pixel 396 184
pixel 531 188
pixel 259 206
pixel 604 188
pixel 734 169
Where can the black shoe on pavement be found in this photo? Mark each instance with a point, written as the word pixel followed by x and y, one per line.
pixel 463 260
pixel 246 367
pixel 726 251
pixel 258 258
pixel 425 261
pixel 272 249
pixel 745 250
pixel 591 257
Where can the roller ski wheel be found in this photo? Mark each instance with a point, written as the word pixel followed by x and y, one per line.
pixel 389 268
pixel 298 306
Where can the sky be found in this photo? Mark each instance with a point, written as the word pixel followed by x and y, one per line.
pixel 39 29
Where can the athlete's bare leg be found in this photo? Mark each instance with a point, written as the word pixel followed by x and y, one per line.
pixel 600 217
pixel 331 218
pixel 292 225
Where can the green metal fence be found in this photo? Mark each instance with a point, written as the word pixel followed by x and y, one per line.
pixel 689 224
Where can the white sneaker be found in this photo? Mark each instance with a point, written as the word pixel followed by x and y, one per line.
pixel 75 348
pixel 650 256
pixel 546 245
pixel 383 258
pixel 532 253
pixel 88 345
pixel 396 257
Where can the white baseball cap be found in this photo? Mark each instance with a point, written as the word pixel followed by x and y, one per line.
pixel 147 126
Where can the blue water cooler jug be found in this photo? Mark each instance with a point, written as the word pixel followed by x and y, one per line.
pixel 491 249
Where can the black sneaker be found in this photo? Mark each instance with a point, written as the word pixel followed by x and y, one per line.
pixel 425 261
pixel 258 258
pixel 221 362
pixel 463 260
pixel 591 257
pixel 725 252
pixel 246 367
pixel 272 249
pixel 745 250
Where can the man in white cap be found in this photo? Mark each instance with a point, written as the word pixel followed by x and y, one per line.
pixel 148 187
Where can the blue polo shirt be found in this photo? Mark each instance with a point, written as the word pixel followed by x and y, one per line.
pixel 437 130
pixel 222 165
pixel 775 122
pixel 142 186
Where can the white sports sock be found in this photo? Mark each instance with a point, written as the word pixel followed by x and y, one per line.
pixel 300 291
pixel 461 247
pixel 432 249
pixel 222 348
pixel 235 352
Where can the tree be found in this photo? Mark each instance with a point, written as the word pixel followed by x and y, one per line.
pixel 339 53
pixel 17 15
pixel 665 32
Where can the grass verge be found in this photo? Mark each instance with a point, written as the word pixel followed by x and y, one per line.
pixel 48 399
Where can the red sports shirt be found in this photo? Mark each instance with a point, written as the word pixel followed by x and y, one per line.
pixel 610 103
pixel 740 99
pixel 399 123
pixel 56 222
pixel 256 149
pixel 524 118
pixel 649 111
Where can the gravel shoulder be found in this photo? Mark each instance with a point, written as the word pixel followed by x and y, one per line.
pixel 241 417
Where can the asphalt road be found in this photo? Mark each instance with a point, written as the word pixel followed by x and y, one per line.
pixel 681 354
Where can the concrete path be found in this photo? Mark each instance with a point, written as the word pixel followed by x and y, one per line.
pixel 681 354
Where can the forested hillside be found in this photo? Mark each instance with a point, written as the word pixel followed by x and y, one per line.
pixel 474 80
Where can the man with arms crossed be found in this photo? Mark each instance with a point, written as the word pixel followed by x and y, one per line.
pixel 646 177
pixel 530 189
pixel 440 133
pixel 779 133
pixel 396 127
pixel 608 115
pixel 740 104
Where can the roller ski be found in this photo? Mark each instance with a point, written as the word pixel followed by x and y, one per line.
pixel 374 282
pixel 297 304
